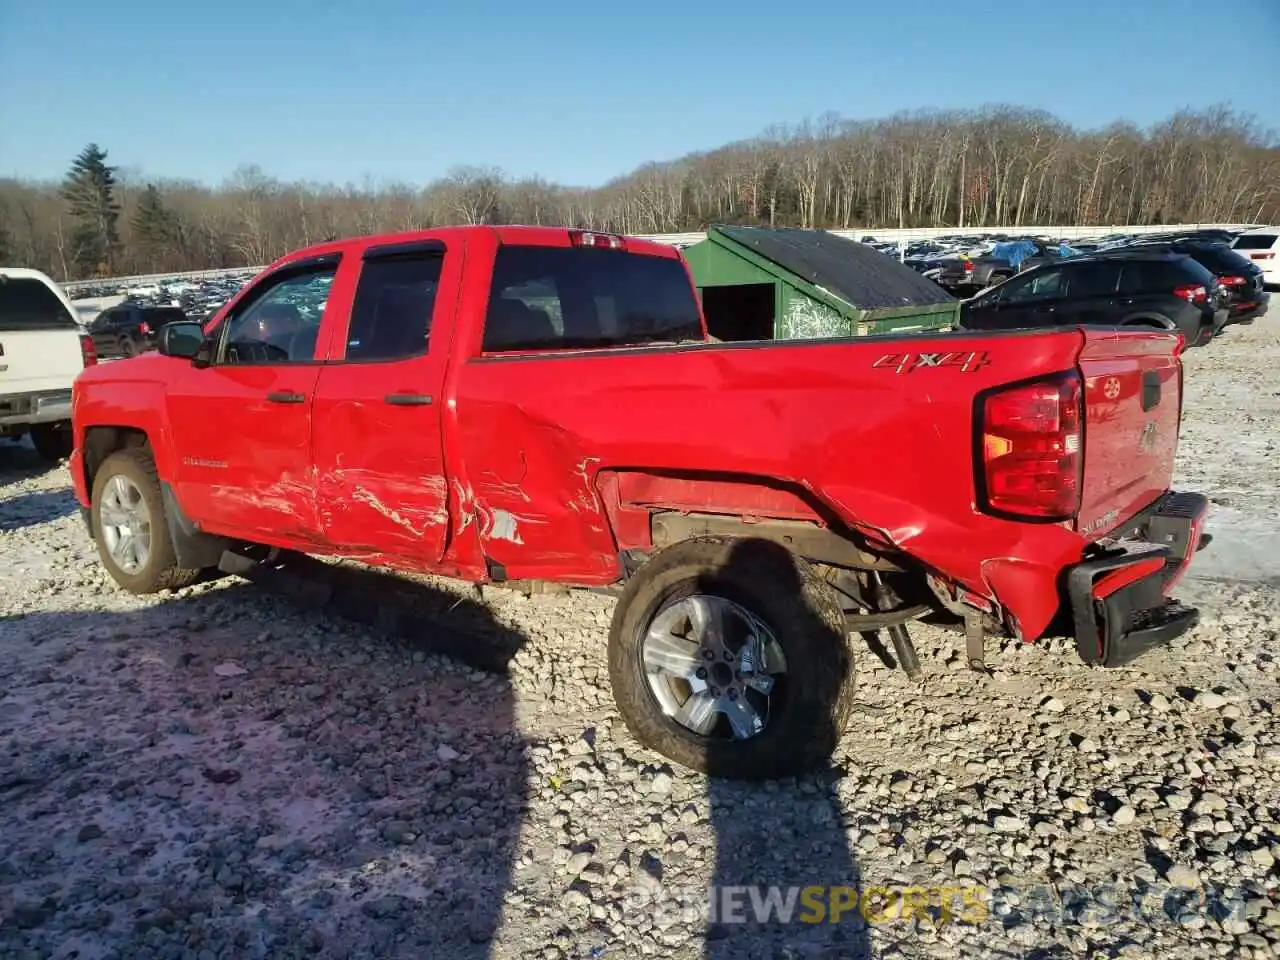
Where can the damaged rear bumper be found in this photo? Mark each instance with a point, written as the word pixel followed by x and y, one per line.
pixel 1119 600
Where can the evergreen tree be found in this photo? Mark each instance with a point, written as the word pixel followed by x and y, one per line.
pixel 153 227
pixel 89 190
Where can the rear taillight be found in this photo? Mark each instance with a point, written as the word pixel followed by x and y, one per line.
pixel 603 241
pixel 1269 255
pixel 144 328
pixel 968 266
pixel 1030 449
pixel 1192 293
pixel 1232 281
pixel 88 355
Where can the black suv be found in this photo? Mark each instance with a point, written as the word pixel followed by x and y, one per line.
pixel 1134 286
pixel 130 328
pixel 1241 279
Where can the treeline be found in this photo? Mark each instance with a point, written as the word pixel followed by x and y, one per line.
pixel 996 166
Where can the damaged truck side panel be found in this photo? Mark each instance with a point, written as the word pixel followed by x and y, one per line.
pixel 681 448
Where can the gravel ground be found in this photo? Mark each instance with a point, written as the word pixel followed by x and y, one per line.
pixel 227 773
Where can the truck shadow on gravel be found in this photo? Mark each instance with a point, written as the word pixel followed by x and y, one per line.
pixel 177 782
pixel 781 846
pixel 35 507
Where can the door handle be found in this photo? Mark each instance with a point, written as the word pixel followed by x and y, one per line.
pixel 408 399
pixel 285 396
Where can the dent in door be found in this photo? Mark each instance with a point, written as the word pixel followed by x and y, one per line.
pixel 412 508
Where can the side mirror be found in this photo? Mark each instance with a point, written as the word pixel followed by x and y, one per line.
pixel 181 339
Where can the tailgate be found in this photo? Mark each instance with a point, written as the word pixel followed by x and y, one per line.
pixel 39 360
pixel 1133 399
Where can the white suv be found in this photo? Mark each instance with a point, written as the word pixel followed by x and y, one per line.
pixel 1260 246
pixel 43 347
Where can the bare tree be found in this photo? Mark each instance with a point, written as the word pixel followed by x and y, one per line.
pixel 1001 166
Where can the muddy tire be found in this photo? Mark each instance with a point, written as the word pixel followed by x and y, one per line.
pixel 129 525
pixel 695 648
pixel 53 441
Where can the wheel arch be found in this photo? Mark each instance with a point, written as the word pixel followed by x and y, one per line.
pixel 192 548
pixel 1149 319
pixel 649 511
pixel 102 441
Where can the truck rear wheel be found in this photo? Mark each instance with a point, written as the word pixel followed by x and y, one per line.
pixel 731 657
pixel 52 440
pixel 128 522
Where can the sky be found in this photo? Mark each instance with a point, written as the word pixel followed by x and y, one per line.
pixel 348 91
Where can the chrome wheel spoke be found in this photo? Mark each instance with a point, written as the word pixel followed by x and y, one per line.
pixel 705 619
pixel 112 515
pixel 666 652
pixel 698 713
pixel 761 683
pixel 120 490
pixel 743 717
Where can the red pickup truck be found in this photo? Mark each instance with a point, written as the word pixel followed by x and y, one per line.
pixel 518 403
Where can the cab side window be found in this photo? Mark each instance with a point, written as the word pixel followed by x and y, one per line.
pixel 281 323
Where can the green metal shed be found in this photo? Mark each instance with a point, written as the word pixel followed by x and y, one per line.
pixel 760 283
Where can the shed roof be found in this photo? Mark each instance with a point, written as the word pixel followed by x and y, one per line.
pixel 859 274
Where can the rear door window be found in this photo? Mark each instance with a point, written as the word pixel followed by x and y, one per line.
pixel 1092 279
pixel 28 304
pixel 575 298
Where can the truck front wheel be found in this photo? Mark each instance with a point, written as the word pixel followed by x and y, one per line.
pixel 128 522
pixel 730 657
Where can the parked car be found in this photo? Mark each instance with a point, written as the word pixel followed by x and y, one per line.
pixel 131 328
pixel 521 403
pixel 1262 247
pixel 1240 279
pixel 43 347
pixel 1134 287
pixel 1006 259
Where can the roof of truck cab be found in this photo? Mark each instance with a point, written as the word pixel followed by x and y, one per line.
pixel 506 233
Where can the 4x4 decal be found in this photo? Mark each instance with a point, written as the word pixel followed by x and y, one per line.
pixel 966 361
